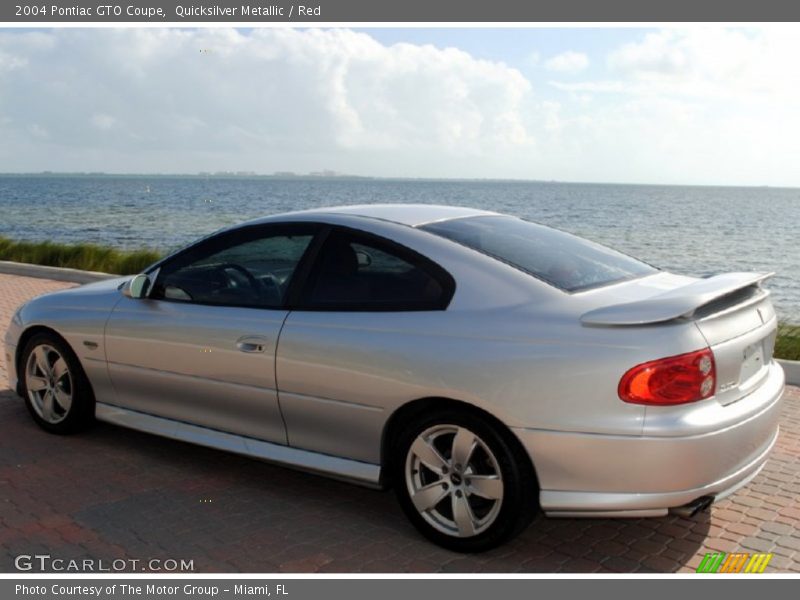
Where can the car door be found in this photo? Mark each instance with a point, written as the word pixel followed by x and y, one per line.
pixel 201 347
pixel 350 348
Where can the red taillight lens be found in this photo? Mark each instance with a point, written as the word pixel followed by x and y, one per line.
pixel 673 380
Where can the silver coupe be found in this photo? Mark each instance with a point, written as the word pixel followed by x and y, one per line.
pixel 483 366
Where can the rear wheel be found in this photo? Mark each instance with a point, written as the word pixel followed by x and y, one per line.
pixel 461 482
pixel 55 388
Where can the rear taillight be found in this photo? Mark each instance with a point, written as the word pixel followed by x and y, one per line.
pixel 672 380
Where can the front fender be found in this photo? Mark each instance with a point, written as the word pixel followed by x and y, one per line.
pixel 79 316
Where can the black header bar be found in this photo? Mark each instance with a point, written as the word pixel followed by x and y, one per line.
pixel 37 12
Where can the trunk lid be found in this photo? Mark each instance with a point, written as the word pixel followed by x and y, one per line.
pixel 741 334
pixel 732 311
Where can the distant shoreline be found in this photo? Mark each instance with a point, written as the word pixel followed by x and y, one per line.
pixel 325 176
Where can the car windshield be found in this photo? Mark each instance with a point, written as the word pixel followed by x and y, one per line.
pixel 558 258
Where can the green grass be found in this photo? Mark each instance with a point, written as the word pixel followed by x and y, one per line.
pixel 787 346
pixel 88 257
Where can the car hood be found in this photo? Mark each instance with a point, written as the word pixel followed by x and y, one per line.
pixel 91 296
pixel 103 285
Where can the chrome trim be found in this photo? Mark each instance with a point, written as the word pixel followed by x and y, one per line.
pixel 362 473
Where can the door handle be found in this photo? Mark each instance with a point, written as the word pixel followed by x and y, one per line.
pixel 252 344
pixel 250 347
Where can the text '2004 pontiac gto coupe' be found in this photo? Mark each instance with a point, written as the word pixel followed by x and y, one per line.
pixel 483 366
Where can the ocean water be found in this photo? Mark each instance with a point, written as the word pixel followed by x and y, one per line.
pixel 691 230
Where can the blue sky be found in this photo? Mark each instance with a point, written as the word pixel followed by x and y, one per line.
pixel 517 47
pixel 512 45
pixel 524 49
pixel 693 105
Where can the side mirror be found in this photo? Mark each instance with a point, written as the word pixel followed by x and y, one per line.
pixel 138 287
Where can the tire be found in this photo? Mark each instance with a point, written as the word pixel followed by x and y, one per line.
pixel 54 385
pixel 470 507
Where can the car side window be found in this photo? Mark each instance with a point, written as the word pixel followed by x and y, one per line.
pixel 247 268
pixel 361 272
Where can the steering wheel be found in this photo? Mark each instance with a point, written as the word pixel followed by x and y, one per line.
pixel 251 280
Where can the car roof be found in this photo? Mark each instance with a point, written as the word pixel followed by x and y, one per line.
pixel 404 214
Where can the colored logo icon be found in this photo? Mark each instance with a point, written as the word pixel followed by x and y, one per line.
pixel 736 562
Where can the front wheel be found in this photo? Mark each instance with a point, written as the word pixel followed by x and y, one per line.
pixel 55 388
pixel 461 482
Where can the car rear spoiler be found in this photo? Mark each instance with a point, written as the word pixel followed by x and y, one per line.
pixel 682 302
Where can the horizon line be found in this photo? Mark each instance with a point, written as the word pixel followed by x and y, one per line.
pixel 334 175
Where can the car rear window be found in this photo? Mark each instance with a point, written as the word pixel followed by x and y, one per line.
pixel 558 258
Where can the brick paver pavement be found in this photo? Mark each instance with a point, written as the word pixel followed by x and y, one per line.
pixel 112 494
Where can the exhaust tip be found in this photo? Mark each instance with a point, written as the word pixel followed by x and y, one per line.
pixel 692 508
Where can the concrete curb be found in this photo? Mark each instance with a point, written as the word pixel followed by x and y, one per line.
pixel 55 273
pixel 792 370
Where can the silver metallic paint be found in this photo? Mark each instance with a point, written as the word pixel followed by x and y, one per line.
pixel 331 466
pixel 173 359
pixel 678 302
pixel 507 344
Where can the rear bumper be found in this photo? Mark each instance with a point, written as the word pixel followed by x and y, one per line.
pixel 604 475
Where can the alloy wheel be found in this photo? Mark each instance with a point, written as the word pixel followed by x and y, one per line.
pixel 454 480
pixel 49 383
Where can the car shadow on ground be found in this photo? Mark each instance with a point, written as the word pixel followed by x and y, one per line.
pixel 111 493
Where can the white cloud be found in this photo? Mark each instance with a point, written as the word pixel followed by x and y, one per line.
pixel 270 99
pixel 567 62
pixel 9 62
pixel 102 121
pixel 712 61
pixel 703 105
pixel 38 131
pixel 696 105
